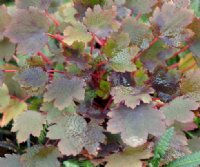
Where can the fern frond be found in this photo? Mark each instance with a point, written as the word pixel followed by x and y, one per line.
pixel 164 143
pixel 192 160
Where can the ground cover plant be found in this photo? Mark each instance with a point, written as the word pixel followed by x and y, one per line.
pixel 106 83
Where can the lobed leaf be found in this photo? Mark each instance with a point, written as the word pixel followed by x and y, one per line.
pixel 76 32
pixel 131 96
pixel 129 156
pixel 141 6
pixel 64 91
pixel 139 33
pixel 190 84
pixel 11 111
pixel 122 60
pixel 11 160
pixel 27 29
pixel 4 96
pixel 41 4
pixel 32 79
pixel 172 27
pixel 41 156
pixel 179 110
pixel 101 22
pixel 76 134
pixel 7 49
pixel 133 125
pixel 28 123
pixel 5 19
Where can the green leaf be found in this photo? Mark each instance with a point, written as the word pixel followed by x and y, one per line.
pixel 28 123
pixel 5 19
pixel 173 27
pixel 11 160
pixel 134 128
pixel 101 22
pixel 27 27
pixel 41 156
pixel 131 96
pixel 76 134
pixel 179 110
pixel 141 6
pixel 76 32
pixel 64 91
pixel 191 160
pixel 190 84
pixel 122 60
pixel 139 33
pixel 163 145
pixel 7 49
pixel 12 110
pixel 130 156
pixel 32 79
pixel 195 4
pixel 4 96
pixel 41 4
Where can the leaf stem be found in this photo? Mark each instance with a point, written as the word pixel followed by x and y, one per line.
pixel 9 71
pixel 58 71
pixel 141 53
pixel 56 22
pixel 180 51
pixel 45 58
pixel 108 104
pixel 58 37
pixel 188 68
pixel 138 16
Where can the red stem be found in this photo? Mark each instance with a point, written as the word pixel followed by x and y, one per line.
pixel 108 104
pixel 138 16
pixel 57 37
pixel 173 66
pixel 45 58
pixel 9 71
pixel 180 51
pixel 92 45
pixel 58 71
pixel 141 53
pixel 188 68
pixel 56 22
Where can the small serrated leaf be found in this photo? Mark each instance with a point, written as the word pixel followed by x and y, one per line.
pixel 28 123
pixel 64 91
pixel 122 60
pixel 41 4
pixel 129 156
pixel 76 32
pixel 131 96
pixel 12 110
pixel 134 128
pixel 41 156
pixel 32 79
pixel 101 22
pixel 27 29
pixel 179 110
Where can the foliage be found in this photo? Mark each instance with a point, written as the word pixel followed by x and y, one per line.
pixel 88 83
